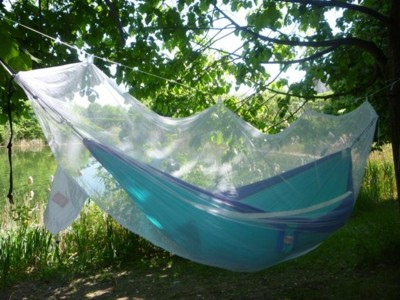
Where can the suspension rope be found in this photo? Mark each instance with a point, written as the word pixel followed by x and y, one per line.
pixel 81 51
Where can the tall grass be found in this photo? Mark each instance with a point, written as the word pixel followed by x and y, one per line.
pixel 25 245
pixel 96 241
pixel 93 241
pixel 379 180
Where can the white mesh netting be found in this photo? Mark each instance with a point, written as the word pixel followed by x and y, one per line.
pixel 214 151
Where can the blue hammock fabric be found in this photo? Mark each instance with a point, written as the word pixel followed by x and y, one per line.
pixel 223 239
pixel 210 187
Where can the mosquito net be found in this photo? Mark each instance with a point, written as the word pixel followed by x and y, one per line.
pixel 210 187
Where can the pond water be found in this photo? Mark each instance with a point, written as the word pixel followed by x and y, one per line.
pixel 33 168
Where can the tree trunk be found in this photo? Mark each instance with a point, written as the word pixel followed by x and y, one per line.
pixel 393 71
pixel 395 133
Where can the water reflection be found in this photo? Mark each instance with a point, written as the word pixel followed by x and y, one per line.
pixel 33 168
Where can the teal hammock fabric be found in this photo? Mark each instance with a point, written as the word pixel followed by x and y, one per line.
pixel 239 233
pixel 210 188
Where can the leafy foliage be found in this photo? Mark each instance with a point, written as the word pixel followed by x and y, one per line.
pixel 179 57
pixel 183 42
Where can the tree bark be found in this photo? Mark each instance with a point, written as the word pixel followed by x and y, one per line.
pixel 393 71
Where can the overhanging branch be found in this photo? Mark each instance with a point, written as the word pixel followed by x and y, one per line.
pixel 305 59
pixel 117 21
pixel 339 4
pixel 367 46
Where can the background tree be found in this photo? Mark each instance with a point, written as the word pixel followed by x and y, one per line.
pixel 187 41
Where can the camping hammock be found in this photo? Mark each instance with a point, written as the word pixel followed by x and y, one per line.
pixel 210 187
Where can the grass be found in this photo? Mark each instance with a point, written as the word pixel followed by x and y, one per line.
pixel 379 181
pixel 98 258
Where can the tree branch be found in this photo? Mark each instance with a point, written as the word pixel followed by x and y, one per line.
pixel 275 62
pixel 339 4
pixel 367 46
pixel 116 19
pixel 305 59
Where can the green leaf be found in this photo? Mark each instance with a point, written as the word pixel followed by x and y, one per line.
pixel 9 47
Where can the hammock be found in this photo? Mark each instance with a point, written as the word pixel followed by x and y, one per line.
pixel 210 187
